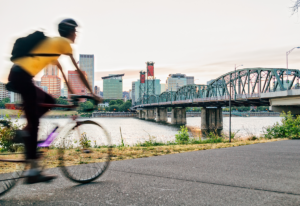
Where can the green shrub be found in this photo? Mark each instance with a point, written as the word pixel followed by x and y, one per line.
pixel 183 136
pixel 289 128
pixel 84 141
pixel 7 134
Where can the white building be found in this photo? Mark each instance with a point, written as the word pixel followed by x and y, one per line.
pixel 64 90
pixel 105 104
pixel 175 81
pixel 15 97
pixel 162 88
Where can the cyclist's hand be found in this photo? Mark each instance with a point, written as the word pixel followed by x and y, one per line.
pixel 98 98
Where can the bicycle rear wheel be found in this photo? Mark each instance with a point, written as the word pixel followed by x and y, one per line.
pixel 85 153
pixel 12 166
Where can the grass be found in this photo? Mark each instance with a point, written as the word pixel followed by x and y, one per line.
pixel 76 157
pixel 50 113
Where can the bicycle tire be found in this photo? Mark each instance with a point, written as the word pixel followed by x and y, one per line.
pixel 73 160
pixel 12 166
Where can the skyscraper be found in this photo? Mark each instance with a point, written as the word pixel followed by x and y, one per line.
pixel 113 86
pixel 86 63
pixel 133 92
pixel 51 80
pixel 76 84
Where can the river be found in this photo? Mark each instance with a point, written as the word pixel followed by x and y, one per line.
pixel 136 130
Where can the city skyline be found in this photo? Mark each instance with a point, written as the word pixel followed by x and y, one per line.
pixel 203 39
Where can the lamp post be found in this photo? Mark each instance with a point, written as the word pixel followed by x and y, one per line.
pixel 230 109
pixel 230 99
pixel 287 63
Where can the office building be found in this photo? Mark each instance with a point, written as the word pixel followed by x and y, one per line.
pixel 65 90
pixel 189 80
pixel 162 88
pixel 133 93
pixel 37 83
pixel 76 84
pixel 87 63
pixel 113 86
pixel 15 97
pixel 3 92
pixel 51 80
pixel 62 93
pixel 130 94
pixel 175 81
pixel 44 88
pixel 97 90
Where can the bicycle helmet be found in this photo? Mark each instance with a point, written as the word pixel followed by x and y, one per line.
pixel 66 26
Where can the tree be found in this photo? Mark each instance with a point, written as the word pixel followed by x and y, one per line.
pixel 119 102
pixel 112 102
pixel 88 105
pixel 61 100
pixel 6 100
pixel 125 107
pixel 114 108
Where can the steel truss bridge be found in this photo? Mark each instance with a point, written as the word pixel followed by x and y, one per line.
pixel 247 85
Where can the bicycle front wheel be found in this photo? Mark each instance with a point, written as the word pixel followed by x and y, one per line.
pixel 85 153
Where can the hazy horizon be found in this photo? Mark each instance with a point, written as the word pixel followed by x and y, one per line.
pixel 199 38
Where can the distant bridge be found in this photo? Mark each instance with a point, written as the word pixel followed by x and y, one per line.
pixel 276 87
pixel 247 87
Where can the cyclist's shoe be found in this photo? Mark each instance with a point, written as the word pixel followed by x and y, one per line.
pixel 39 178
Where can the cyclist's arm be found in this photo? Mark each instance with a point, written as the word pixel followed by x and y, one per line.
pixel 63 74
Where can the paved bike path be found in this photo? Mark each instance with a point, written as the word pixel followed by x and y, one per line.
pixel 261 174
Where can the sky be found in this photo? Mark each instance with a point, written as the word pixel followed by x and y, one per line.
pixel 199 38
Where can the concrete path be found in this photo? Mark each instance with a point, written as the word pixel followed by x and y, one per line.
pixel 262 174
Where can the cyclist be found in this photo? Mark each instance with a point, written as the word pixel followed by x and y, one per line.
pixel 20 79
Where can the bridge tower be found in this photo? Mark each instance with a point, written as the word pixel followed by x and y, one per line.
pixel 142 85
pixel 150 79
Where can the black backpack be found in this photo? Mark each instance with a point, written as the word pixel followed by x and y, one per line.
pixel 24 45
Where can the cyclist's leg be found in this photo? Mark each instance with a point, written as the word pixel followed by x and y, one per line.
pixel 23 83
pixel 43 97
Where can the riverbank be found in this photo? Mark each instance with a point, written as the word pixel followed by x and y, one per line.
pixel 52 113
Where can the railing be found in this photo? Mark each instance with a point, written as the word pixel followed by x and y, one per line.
pixel 211 99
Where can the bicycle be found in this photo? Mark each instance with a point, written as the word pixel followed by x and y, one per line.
pixel 77 159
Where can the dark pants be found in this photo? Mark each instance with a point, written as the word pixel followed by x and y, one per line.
pixel 22 83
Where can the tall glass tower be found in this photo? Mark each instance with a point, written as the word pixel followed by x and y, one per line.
pixel 87 63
